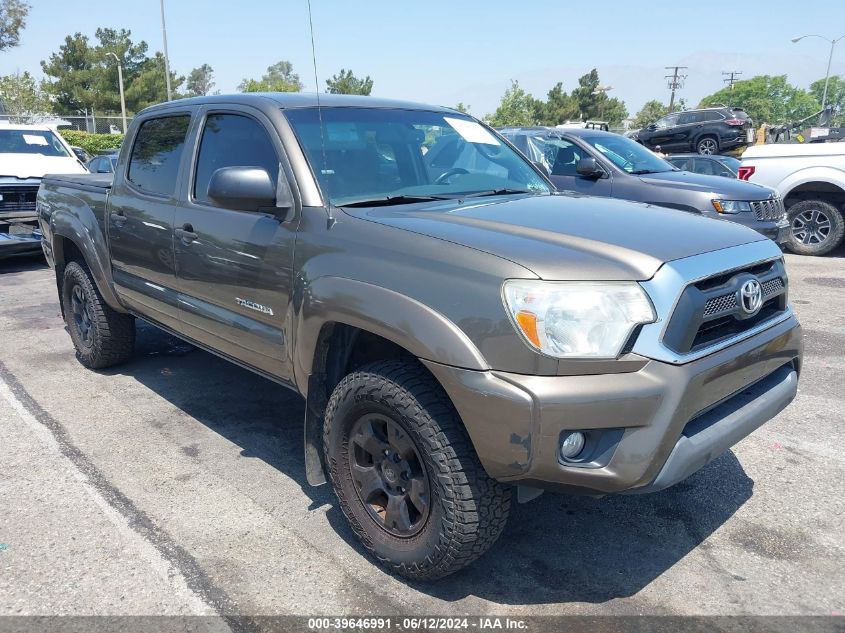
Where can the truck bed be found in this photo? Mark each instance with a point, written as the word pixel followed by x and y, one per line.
pixel 88 181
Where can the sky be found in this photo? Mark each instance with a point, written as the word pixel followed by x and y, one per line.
pixel 445 52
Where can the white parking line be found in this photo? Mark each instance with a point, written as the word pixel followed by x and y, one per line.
pixel 167 571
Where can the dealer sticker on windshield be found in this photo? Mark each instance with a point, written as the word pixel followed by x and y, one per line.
pixel 471 131
pixel 34 139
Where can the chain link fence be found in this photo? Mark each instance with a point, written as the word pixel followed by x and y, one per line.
pixel 94 123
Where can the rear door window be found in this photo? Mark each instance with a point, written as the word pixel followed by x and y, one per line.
pixel 154 162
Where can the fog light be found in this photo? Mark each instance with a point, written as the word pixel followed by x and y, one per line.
pixel 572 445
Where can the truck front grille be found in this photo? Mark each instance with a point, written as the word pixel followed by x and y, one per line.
pixel 710 311
pixel 18 198
pixel 769 210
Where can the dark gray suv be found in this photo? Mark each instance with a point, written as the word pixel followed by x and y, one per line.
pixel 610 165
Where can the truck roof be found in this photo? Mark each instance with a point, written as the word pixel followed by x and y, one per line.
pixel 289 100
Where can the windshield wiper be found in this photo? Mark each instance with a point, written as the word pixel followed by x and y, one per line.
pixel 640 172
pixel 391 200
pixel 495 192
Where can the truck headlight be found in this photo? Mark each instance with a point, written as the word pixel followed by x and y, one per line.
pixel 731 207
pixel 574 319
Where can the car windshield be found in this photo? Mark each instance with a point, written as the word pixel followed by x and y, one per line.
pixel 41 142
pixel 389 156
pixel 628 155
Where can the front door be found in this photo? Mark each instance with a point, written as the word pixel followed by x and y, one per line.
pixel 235 267
pixel 564 156
pixel 142 206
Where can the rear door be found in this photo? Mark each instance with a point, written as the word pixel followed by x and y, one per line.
pixel 235 267
pixel 141 211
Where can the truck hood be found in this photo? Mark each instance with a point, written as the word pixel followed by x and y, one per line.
pixel 36 165
pixel 567 236
pixel 720 187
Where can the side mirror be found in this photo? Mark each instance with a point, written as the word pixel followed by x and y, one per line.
pixel 589 168
pixel 242 188
pixel 542 168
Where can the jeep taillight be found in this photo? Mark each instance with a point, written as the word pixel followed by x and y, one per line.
pixel 735 121
pixel 745 172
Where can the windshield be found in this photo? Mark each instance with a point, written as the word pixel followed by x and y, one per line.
pixel 628 155
pixel 41 142
pixel 400 156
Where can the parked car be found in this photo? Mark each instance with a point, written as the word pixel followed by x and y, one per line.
pixel 811 180
pixel 610 165
pixel 27 152
pixel 103 164
pixel 706 131
pixel 459 330
pixel 709 165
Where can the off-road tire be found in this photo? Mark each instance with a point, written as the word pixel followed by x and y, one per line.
pixel 707 145
pixel 468 509
pixel 834 235
pixel 112 334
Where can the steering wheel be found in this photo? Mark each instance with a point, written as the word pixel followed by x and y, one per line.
pixel 455 171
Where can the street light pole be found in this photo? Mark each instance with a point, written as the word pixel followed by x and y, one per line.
pixel 166 60
pixel 795 40
pixel 120 83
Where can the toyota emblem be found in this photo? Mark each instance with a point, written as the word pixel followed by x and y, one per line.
pixel 751 296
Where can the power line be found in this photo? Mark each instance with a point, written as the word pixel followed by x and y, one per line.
pixel 676 81
pixel 731 77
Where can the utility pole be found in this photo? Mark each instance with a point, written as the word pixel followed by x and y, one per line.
pixel 120 84
pixel 731 77
pixel 166 60
pixel 675 82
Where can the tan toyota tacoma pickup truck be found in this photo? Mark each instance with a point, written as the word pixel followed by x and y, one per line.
pixel 460 332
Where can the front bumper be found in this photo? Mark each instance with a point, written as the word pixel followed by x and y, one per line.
pixel 775 230
pixel 665 420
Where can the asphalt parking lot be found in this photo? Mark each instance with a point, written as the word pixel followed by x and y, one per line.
pixel 174 485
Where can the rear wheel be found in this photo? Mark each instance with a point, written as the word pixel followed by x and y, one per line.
pixel 707 145
pixel 406 475
pixel 815 227
pixel 102 336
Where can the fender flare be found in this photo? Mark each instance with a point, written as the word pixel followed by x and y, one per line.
pixel 412 325
pixel 827 175
pixel 83 230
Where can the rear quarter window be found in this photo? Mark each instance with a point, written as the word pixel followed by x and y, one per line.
pixel 154 162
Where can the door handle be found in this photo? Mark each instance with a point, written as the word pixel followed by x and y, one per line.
pixel 186 233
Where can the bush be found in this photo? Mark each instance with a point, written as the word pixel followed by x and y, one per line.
pixel 92 143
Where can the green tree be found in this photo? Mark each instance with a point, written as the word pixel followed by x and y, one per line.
pixel 462 107
pixel 594 103
pixel 12 21
pixel 84 76
pixel 835 96
pixel 345 83
pixel 22 97
pixel 649 113
pixel 517 107
pixel 149 86
pixel 71 75
pixel 766 99
pixel 200 81
pixel 560 107
pixel 278 78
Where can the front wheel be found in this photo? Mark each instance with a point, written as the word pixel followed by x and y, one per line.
pixel 406 475
pixel 815 227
